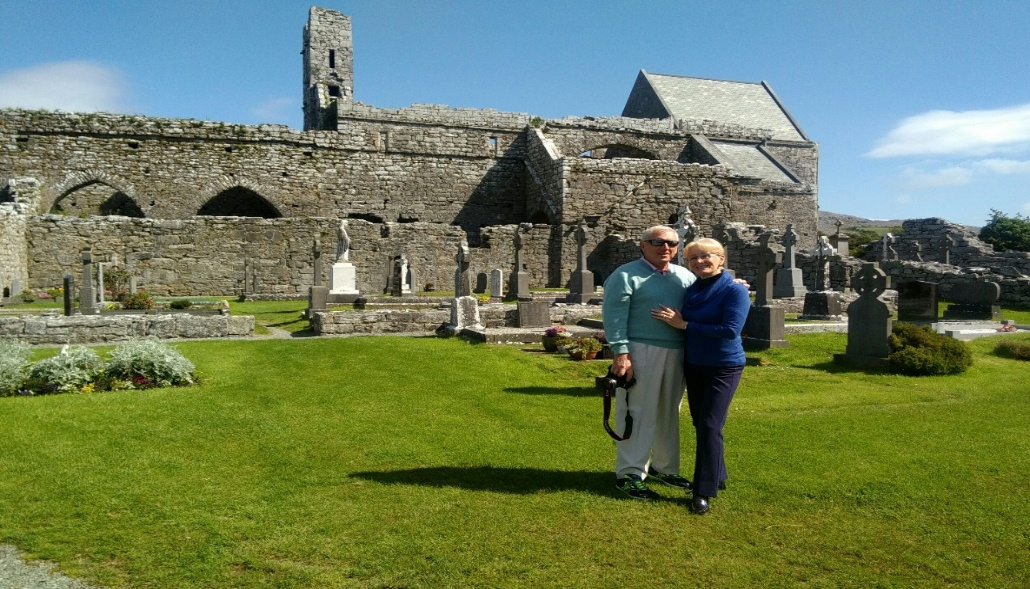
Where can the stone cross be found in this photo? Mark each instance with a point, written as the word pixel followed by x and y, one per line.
pixel 789 240
pixel 768 260
pixel 581 247
pixel 462 280
pixel 888 252
pixel 869 319
pixel 686 230
pixel 822 253
pixel 316 265
pixel 342 242
pixel 87 297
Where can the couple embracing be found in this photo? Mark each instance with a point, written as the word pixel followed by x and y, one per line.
pixel 668 326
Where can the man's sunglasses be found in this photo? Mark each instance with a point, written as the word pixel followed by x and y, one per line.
pixel 660 242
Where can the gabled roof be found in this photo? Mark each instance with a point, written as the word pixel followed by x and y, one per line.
pixel 740 103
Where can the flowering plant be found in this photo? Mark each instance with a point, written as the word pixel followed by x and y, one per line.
pixel 599 336
pixel 556 330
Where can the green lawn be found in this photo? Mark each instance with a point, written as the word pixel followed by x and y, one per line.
pixel 419 462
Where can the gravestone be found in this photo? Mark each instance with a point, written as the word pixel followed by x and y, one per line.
pixel 685 230
pixel 824 305
pixel 400 277
pixel 533 314
pixel 869 321
pixel 316 262
pixel 87 296
pixel 318 300
pixel 462 278
pixel 822 252
pixel 69 294
pixel 343 275
pixel 581 285
pixel 764 326
pixel 496 284
pixel 481 283
pixel 464 316
pixel 974 301
pixel 518 282
pixel 789 281
pixel 887 251
pixel 917 302
pixel 840 241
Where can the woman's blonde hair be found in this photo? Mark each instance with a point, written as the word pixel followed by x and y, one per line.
pixel 706 243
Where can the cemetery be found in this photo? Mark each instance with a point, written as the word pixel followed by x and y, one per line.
pixel 470 451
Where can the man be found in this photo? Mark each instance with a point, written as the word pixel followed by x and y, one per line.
pixel 652 352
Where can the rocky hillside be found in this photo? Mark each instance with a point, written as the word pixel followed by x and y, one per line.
pixel 827 222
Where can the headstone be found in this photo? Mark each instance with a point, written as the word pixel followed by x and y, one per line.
pixel 869 321
pixel 462 279
pixel 87 296
pixel 824 305
pixel 316 262
pixel 464 315
pixel 581 286
pixel 400 277
pixel 789 281
pixel 533 314
pixel 764 326
pixel 481 283
pixel 917 302
pixel 318 300
pixel 840 241
pixel 518 282
pixel 100 282
pixel 887 252
pixel 685 230
pixel 69 294
pixel 974 301
pixel 496 284
pixel 822 252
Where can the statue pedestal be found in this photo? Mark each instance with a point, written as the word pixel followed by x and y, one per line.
pixel 343 279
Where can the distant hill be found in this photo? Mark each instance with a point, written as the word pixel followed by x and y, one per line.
pixel 827 222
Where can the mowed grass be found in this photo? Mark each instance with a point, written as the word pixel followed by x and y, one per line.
pixel 420 462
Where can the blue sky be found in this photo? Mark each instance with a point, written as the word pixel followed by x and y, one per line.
pixel 920 108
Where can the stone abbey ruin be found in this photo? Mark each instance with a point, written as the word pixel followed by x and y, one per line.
pixel 194 207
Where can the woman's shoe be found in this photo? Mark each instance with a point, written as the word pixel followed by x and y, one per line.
pixel 699 505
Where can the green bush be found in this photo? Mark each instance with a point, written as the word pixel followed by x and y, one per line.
pixel 149 363
pixel 28 296
pixel 139 300
pixel 920 351
pixel 73 370
pixel 14 363
pixel 1007 233
pixel 181 304
pixel 1019 350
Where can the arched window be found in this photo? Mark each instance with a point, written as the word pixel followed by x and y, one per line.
pixel 239 202
pixel 95 198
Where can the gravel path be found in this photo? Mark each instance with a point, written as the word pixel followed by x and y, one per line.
pixel 17 574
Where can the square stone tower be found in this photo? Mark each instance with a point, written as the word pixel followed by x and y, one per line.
pixel 328 67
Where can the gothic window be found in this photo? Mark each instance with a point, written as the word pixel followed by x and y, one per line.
pixel 96 198
pixel 239 202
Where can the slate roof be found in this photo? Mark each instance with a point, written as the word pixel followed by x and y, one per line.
pixel 750 161
pixel 752 105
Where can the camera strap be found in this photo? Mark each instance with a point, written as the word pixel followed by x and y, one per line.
pixel 609 384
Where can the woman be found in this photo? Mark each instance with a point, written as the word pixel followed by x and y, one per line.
pixel 713 314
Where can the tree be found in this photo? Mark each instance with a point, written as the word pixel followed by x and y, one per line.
pixel 1007 233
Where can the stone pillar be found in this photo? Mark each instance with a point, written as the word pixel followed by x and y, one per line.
pixel 87 297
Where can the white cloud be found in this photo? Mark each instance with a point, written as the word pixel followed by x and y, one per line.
pixel 1000 166
pixel 947 132
pixel 1025 209
pixel 277 110
pixel 917 179
pixel 71 86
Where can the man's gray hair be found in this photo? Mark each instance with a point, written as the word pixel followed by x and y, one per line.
pixel 650 232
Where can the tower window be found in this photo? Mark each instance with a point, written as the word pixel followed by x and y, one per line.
pixel 332 58
pixel 334 91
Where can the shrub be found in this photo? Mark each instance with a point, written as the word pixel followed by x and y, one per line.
pixel 139 300
pixel 920 351
pixel 70 371
pixel 149 363
pixel 181 304
pixel 1019 350
pixel 28 296
pixel 1007 233
pixel 14 363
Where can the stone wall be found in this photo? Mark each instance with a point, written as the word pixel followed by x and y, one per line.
pixel 88 329
pixel 13 251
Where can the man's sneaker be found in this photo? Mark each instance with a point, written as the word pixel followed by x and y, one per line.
pixel 673 480
pixel 634 487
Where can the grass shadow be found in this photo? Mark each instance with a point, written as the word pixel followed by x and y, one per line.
pixel 567 391
pixel 517 481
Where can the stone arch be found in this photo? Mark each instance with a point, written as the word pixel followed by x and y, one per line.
pixel 92 193
pixel 613 150
pixel 237 197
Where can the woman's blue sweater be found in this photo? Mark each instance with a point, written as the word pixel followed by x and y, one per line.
pixel 715 310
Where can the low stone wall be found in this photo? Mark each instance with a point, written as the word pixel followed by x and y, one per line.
pixel 89 329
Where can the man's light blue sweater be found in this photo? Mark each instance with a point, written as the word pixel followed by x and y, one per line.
pixel 630 293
